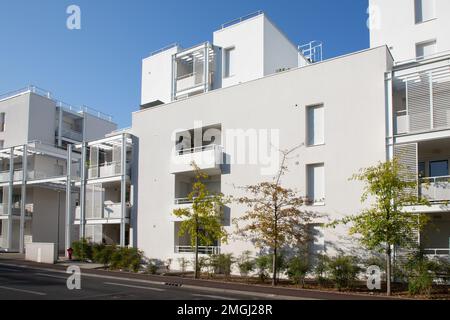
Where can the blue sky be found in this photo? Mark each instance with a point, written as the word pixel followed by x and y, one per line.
pixel 99 65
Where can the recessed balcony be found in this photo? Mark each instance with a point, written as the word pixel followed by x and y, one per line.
pixel 109 211
pixel 207 158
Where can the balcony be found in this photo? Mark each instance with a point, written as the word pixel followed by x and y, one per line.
pixel 208 159
pixel 201 250
pixel 4 176
pixel 71 134
pixel 16 210
pixel 110 211
pixel 434 253
pixel 107 170
pixel 436 189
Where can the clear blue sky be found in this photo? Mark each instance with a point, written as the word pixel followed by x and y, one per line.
pixel 99 65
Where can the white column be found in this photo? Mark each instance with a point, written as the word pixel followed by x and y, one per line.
pixel 123 190
pixel 23 199
pixel 60 123
pixel 390 130
pixel 10 198
pixel 83 191
pixel 68 235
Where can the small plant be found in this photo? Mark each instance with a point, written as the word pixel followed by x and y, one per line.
pixel 222 264
pixel 203 263
pixel 82 250
pixel 102 254
pixel 183 263
pixel 420 272
pixel 343 271
pixel 297 268
pixel 127 259
pixel 245 264
pixel 152 267
pixel 263 266
pixel 321 270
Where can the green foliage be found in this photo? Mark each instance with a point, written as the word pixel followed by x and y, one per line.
pixel 321 270
pixel 420 272
pixel 246 264
pixel 343 271
pixel 203 221
pixel 263 265
pixel 102 254
pixel 153 267
pixel 297 269
pixel 127 259
pixel 222 264
pixel 82 250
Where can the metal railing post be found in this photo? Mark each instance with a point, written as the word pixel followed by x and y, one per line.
pixel 23 199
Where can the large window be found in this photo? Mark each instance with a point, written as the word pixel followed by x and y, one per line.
pixel 229 62
pixel 438 168
pixel 316 183
pixel 315 125
pixel 425 49
pixel 425 10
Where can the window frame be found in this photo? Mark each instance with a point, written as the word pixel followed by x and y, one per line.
pixel 307 125
pixel 226 62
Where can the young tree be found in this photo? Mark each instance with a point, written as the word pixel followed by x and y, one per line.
pixel 387 222
pixel 274 218
pixel 203 221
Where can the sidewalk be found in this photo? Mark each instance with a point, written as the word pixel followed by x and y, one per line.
pixel 18 260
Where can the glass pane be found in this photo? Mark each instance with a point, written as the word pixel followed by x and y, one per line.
pixel 438 168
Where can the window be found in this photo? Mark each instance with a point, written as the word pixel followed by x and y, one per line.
pixel 425 49
pixel 422 173
pixel 315 125
pixel 425 10
pixel 2 122
pixel 229 62
pixel 438 168
pixel 316 183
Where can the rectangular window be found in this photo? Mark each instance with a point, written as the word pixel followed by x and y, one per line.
pixel 316 183
pixel 438 168
pixel 425 10
pixel 2 121
pixel 315 125
pixel 229 62
pixel 425 49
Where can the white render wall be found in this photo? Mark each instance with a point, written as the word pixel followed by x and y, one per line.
pixel 352 89
pixel 397 27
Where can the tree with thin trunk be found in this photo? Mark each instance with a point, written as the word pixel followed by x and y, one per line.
pixel 388 222
pixel 275 218
pixel 203 221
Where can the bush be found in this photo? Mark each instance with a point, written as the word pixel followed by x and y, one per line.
pixel 343 271
pixel 245 264
pixel 127 259
pixel 103 254
pixel 82 250
pixel 321 270
pixel 183 263
pixel 222 264
pixel 297 268
pixel 263 265
pixel 420 273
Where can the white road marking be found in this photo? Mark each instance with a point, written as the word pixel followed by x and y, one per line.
pixel 212 297
pixel 130 286
pixel 50 276
pixel 24 291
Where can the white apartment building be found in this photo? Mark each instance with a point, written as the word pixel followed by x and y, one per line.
pixel 230 105
pixel 36 135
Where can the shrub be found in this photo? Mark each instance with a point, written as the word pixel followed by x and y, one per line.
pixel 420 272
pixel 263 265
pixel 245 264
pixel 152 267
pixel 103 254
pixel 203 263
pixel 183 263
pixel 222 264
pixel 297 268
pixel 321 270
pixel 343 271
pixel 82 250
pixel 127 259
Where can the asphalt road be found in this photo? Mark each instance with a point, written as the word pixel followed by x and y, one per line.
pixel 18 283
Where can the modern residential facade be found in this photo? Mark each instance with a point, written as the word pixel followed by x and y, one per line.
pixel 231 104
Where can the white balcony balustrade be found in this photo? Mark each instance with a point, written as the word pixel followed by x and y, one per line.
pixel 109 211
pixel 437 253
pixel 16 209
pixel 207 158
pixel 4 176
pixel 207 250
pixel 435 189
pixel 107 170
pixel 71 134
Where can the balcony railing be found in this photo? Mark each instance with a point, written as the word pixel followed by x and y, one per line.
pixel 16 210
pixel 437 253
pixel 109 211
pixel 201 250
pixel 183 201
pixel 436 189
pixel 72 134
pixel 4 176
pixel 205 157
pixel 189 81
pixel 106 170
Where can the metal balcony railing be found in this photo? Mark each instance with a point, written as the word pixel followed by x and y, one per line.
pixel 210 147
pixel 437 252
pixel 202 250
pixel 183 201
pixel 435 189
pixel 106 170
pixel 107 211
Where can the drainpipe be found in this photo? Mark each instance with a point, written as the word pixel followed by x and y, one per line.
pixel 123 187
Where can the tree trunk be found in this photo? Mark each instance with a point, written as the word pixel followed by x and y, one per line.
pixel 196 271
pixel 388 270
pixel 274 267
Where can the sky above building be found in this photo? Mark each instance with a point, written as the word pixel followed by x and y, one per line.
pixel 100 65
